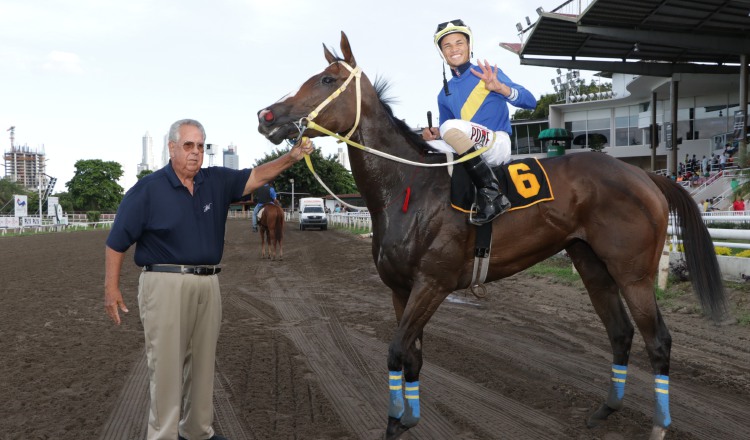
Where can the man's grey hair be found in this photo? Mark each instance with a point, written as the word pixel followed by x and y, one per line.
pixel 174 130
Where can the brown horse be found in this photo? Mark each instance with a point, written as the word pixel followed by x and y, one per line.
pixel 271 228
pixel 609 216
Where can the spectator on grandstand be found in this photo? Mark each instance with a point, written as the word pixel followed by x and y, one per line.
pixel 722 161
pixel 738 205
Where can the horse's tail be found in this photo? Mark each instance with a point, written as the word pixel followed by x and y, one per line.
pixel 700 254
pixel 279 224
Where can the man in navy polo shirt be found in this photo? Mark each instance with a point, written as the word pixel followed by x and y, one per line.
pixel 176 216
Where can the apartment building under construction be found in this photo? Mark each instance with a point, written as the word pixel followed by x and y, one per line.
pixel 24 164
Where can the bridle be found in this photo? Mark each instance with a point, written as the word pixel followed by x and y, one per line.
pixel 356 73
pixel 307 121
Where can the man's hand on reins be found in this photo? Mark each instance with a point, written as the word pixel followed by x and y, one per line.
pixel 303 147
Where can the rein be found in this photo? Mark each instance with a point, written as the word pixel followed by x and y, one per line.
pixel 307 123
pixel 356 73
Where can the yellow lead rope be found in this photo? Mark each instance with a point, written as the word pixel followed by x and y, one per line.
pixel 473 154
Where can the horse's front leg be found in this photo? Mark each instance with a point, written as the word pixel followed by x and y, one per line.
pixel 405 356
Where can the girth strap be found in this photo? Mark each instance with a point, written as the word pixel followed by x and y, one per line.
pixel 482 248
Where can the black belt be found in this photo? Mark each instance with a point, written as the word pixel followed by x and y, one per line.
pixel 193 270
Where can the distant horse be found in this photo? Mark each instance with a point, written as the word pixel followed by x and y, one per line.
pixel 271 223
pixel 609 216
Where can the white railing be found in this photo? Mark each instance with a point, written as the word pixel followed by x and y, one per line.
pixel 55 227
pixel 351 220
pixel 722 234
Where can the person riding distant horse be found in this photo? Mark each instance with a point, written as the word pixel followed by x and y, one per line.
pixel 474 116
pixel 265 194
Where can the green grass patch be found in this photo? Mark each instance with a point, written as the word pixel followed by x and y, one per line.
pixel 559 268
pixel 355 231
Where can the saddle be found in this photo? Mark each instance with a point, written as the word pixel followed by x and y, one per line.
pixel 263 208
pixel 523 181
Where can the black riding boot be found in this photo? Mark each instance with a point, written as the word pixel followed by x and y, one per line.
pixel 490 201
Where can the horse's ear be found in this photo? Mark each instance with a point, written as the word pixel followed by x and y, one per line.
pixel 329 56
pixel 346 50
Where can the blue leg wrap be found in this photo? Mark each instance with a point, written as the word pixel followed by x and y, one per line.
pixel 617 386
pixel 395 383
pixel 411 415
pixel 661 388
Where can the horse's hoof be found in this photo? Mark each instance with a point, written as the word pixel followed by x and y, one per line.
pixel 395 429
pixel 599 416
pixel 658 433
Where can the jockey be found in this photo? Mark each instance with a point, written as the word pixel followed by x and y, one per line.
pixel 473 114
pixel 263 195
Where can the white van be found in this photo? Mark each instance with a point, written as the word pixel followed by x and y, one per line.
pixel 312 213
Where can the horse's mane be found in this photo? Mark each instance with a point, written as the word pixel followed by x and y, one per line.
pixel 382 87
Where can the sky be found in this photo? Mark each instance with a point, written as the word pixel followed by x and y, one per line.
pixel 86 79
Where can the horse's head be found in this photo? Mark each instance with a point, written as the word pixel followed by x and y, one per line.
pixel 329 98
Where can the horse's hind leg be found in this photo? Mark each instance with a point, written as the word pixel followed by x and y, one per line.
pixel 642 304
pixel 605 298
pixel 272 241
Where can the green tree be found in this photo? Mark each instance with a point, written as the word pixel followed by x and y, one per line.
pixel 143 174
pixel 94 186
pixel 7 190
pixel 330 171
pixel 65 201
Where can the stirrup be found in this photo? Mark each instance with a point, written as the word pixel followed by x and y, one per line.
pixel 474 208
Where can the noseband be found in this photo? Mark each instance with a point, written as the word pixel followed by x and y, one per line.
pixel 354 73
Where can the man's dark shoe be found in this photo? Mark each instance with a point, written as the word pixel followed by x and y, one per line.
pixel 255 229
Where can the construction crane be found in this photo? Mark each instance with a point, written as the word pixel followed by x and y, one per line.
pixel 12 131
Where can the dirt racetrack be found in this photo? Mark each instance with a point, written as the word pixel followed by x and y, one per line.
pixel 303 346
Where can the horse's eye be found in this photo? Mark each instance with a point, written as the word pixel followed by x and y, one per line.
pixel 328 80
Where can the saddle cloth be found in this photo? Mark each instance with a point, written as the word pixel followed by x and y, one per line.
pixel 523 181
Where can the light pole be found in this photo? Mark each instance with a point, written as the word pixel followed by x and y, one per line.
pixel 292 182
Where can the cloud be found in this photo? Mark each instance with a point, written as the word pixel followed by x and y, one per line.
pixel 65 62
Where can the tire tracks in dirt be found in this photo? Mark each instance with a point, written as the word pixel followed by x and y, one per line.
pixel 129 419
pixel 586 367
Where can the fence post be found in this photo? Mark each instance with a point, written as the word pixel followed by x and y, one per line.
pixel 663 274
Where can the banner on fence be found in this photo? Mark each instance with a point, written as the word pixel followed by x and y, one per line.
pixel 21 206
pixel 8 222
pixel 31 221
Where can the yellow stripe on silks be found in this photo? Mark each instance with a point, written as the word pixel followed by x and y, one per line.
pixel 411 388
pixel 475 100
pixel 662 381
pixel 619 371
pixel 394 387
pixel 614 379
pixel 411 397
pixel 398 376
pixel 659 390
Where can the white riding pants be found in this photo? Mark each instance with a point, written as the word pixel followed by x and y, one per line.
pixel 499 152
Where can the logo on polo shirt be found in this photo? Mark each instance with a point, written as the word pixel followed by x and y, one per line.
pixel 207 208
